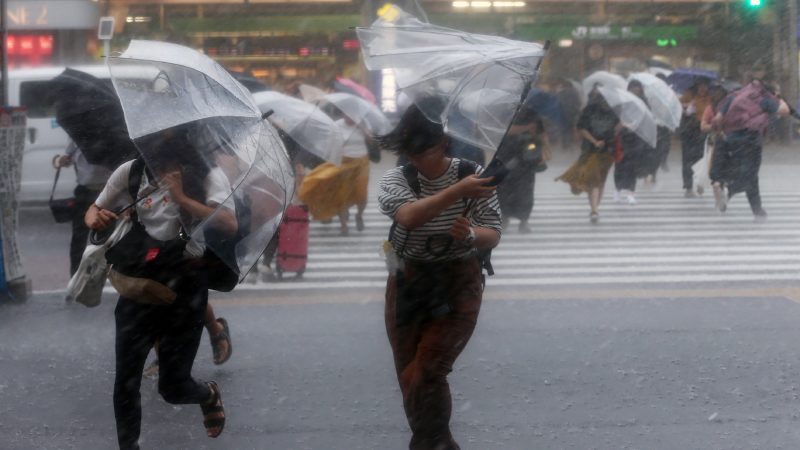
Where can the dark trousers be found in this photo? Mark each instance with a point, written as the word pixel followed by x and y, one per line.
pixel 84 197
pixel 178 328
pixel 424 353
pixel 745 162
pixel 625 173
pixel 691 152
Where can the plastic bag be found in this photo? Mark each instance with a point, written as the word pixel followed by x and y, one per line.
pixel 86 286
pixel 702 167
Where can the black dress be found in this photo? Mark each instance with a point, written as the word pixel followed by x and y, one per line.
pixel 521 154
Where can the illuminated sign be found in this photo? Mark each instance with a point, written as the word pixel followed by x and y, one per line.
pixel 51 14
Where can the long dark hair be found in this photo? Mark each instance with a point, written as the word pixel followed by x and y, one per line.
pixel 415 132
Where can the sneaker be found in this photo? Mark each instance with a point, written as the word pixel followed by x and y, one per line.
pixel 594 217
pixel 631 200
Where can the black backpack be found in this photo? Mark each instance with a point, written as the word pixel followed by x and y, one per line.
pixel 465 169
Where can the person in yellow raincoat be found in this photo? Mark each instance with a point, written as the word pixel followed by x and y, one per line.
pixel 330 190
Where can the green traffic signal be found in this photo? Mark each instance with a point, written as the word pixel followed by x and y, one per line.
pixel 754 3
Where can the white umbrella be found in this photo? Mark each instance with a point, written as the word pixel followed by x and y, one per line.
pixel 602 78
pixel 360 111
pixel 433 61
pixel 308 125
pixel 632 112
pixel 664 103
pixel 311 93
pixel 193 113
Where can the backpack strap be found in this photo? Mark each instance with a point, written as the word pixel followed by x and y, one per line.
pixel 134 182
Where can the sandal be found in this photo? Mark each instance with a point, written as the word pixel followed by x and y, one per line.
pixel 213 411
pixel 222 336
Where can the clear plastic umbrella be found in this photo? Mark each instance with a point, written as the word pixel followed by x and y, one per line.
pixel 308 125
pixel 311 93
pixel 632 112
pixel 360 111
pixel 186 112
pixel 602 78
pixel 664 103
pixel 432 61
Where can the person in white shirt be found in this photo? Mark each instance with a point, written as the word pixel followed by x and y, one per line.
pixel 182 191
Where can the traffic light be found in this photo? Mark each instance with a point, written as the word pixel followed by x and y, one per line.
pixel 753 4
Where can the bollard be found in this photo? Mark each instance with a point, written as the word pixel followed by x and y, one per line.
pixel 14 285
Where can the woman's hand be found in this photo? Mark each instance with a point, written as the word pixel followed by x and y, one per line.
pixel 173 182
pixel 460 229
pixel 98 218
pixel 474 187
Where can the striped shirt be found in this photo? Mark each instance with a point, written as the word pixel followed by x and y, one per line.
pixel 394 192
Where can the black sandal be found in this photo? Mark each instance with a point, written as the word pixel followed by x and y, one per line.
pixel 212 409
pixel 224 335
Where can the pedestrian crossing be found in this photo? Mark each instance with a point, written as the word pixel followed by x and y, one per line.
pixel 664 240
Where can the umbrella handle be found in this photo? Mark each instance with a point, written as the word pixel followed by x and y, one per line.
pixel 267 114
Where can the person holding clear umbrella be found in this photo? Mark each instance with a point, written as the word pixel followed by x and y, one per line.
pixel 597 126
pixel 434 288
pixel 176 322
pixel 630 163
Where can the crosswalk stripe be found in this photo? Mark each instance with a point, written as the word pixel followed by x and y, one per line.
pixel 663 240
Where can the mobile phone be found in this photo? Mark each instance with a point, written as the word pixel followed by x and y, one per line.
pixel 495 169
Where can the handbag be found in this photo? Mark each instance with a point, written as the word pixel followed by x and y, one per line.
pixel 86 285
pixel 63 209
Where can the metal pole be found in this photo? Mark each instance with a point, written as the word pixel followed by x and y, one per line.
pixel 4 54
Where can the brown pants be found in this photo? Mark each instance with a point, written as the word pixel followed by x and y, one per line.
pixel 424 353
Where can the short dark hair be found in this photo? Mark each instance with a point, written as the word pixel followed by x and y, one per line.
pixel 415 132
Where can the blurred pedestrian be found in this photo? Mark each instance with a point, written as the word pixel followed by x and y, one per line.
pixel 524 152
pixel 629 163
pixel 434 289
pixel 719 168
pixel 597 126
pixel 694 102
pixel 743 118
pixel 570 101
pixel 175 316
pixel 91 178
pixel 330 190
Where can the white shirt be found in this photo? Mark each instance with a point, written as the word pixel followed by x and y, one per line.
pixel 86 173
pixel 355 146
pixel 157 212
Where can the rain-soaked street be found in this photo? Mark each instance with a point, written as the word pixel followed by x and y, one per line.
pixel 666 326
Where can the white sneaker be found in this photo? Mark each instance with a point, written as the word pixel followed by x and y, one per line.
pixel 631 200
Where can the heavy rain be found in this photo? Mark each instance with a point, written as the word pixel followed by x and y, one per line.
pixel 434 225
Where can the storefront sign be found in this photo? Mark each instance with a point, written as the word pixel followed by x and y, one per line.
pixel 604 32
pixel 52 14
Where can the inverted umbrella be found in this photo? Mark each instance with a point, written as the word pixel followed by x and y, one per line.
pixel 186 110
pixel 433 61
pixel 360 111
pixel 347 85
pixel 664 103
pixel 88 109
pixel 308 125
pixel 632 112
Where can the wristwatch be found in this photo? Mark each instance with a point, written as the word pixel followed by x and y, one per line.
pixel 470 237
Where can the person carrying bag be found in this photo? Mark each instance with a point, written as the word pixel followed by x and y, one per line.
pixel 158 249
pixel 443 218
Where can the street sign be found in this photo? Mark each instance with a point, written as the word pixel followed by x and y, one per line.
pixel 105 30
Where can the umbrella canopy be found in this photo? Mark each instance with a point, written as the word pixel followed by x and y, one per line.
pixel 360 111
pixel 683 78
pixel 88 109
pixel 632 112
pixel 311 93
pixel 664 103
pixel 349 86
pixel 188 112
pixel 603 78
pixel 432 61
pixel 308 125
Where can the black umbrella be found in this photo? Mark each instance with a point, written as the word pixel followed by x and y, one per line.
pixel 90 112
